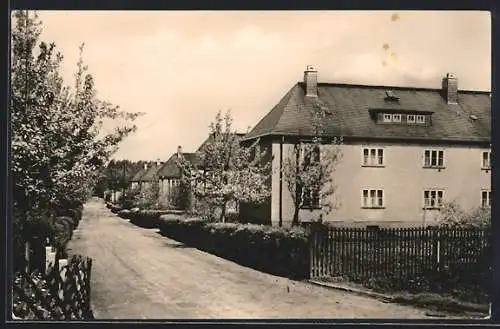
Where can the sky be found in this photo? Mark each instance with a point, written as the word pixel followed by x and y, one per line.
pixel 181 67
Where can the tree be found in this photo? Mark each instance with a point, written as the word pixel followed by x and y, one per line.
pixel 309 168
pixel 226 172
pixel 58 143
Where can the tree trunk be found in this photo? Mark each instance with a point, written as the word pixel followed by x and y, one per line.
pixel 295 221
pixel 223 212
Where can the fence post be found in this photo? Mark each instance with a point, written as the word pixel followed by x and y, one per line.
pixel 50 258
pixel 27 256
pixel 89 272
pixel 436 243
pixel 62 269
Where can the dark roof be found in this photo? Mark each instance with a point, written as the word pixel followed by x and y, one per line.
pixel 138 175
pixel 171 170
pixel 348 108
pixel 211 137
pixel 151 172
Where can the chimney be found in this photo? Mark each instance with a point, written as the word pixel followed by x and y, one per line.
pixel 311 81
pixel 450 88
pixel 158 163
pixel 145 166
pixel 179 151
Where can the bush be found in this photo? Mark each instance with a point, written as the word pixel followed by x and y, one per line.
pixel 147 218
pixel 279 251
pixel 74 213
pixel 125 213
pixel 452 215
pixel 63 232
pixel 115 209
pixel 128 199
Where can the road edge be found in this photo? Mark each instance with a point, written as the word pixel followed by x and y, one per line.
pixel 473 311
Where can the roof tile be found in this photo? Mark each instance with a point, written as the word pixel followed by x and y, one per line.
pixel 349 107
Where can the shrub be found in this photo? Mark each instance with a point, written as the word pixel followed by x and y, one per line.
pixel 232 216
pixel 74 213
pixel 280 251
pixel 128 199
pixel 147 218
pixel 115 209
pixel 125 213
pixel 63 232
pixel 452 215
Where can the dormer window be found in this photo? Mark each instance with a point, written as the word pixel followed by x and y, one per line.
pixel 401 116
pixel 390 96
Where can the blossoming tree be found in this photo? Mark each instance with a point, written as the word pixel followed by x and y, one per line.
pixel 227 172
pixel 58 144
pixel 308 170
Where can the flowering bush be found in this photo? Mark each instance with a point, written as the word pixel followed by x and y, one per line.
pixel 452 215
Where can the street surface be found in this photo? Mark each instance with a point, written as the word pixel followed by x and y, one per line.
pixel 139 274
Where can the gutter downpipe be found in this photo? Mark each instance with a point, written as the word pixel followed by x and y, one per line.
pixel 280 223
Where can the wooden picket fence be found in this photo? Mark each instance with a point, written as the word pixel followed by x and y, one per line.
pixel 62 293
pixel 367 253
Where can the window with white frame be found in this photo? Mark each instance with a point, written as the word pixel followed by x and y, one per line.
pixel 396 118
pixel 372 198
pixel 486 199
pixel 310 198
pixel 420 118
pixel 486 160
pixel 433 199
pixel 410 118
pixel 433 158
pixel 387 118
pixel 373 157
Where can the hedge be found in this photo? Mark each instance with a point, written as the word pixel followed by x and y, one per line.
pixel 279 251
pixel 147 218
pixel 125 213
pixel 74 214
pixel 115 209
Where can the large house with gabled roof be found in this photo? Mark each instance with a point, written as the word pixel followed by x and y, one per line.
pixel 405 150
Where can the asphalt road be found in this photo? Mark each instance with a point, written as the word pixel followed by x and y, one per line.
pixel 139 274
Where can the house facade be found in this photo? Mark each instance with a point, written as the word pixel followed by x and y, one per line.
pixel 170 176
pixel 151 175
pixel 405 151
pixel 145 177
pixel 135 181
